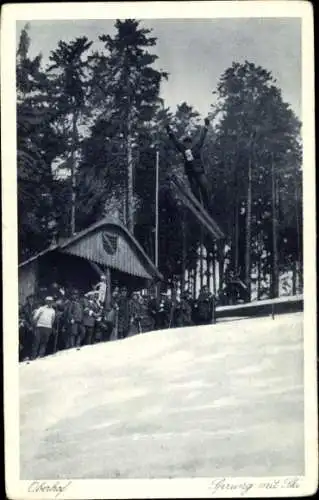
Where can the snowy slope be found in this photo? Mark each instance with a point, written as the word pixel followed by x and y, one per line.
pixel 211 401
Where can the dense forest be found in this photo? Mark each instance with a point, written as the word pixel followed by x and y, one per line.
pixel 89 125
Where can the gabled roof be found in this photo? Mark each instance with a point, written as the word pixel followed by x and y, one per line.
pixel 69 245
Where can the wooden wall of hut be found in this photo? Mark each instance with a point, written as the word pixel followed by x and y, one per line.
pixel 27 280
pixel 67 270
pixel 71 272
pixel 129 281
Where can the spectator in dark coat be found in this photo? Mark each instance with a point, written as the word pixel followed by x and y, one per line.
pixel 22 335
pixel 123 314
pixel 152 306
pixel 75 321
pixel 65 324
pixel 161 311
pixel 163 317
pixel 135 314
pixel 112 315
pixel 58 324
pixel 183 314
pixel 205 307
pixel 105 325
pixel 89 315
pixel 27 312
pixel 147 321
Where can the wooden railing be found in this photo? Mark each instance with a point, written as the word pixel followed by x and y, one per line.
pixel 279 305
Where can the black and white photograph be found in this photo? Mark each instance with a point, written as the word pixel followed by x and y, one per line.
pixel 159 250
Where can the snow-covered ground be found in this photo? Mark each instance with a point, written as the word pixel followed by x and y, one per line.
pixel 221 400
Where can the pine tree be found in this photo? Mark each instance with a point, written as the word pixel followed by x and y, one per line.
pixel 255 128
pixel 68 92
pixel 132 85
pixel 36 149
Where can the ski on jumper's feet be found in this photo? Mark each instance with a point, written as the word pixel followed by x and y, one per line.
pixel 197 209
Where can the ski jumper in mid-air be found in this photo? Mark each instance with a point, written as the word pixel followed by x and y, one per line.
pixel 194 167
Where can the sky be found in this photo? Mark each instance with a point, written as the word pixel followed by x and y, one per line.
pixel 195 52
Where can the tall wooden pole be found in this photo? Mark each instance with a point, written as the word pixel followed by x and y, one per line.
pixel 236 236
pixel 275 274
pixel 248 228
pixel 213 259
pixel 73 172
pixel 156 207
pixel 195 280
pixel 130 193
pixel 201 256
pixel 299 259
pixel 184 250
pixel 208 263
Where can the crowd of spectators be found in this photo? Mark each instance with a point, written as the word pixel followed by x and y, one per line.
pixel 57 318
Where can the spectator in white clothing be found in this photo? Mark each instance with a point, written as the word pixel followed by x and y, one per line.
pixel 44 318
pixel 101 288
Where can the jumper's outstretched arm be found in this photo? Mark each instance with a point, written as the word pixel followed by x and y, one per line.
pixel 203 134
pixel 173 138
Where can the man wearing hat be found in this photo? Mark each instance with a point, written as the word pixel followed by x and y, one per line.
pixel 135 314
pixel 123 313
pixel 184 310
pixel 164 312
pixel 90 314
pixel 75 321
pixel 205 307
pixel 44 318
pixel 147 321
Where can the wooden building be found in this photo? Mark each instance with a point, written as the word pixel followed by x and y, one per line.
pixel 77 262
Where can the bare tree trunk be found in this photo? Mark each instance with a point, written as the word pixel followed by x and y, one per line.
pixel 258 279
pixel 186 284
pixel 156 252
pixel 201 259
pixel 108 296
pixel 184 250
pixel 299 259
pixel 294 277
pixel 125 203
pixel 259 267
pixel 73 171
pixel 234 225
pixel 213 261
pixel 221 261
pixel 195 281
pixel 208 262
pixel 236 222
pixel 190 280
pixel 275 270
pixel 236 237
pixel 130 193
pixel 248 230
pixel 299 284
